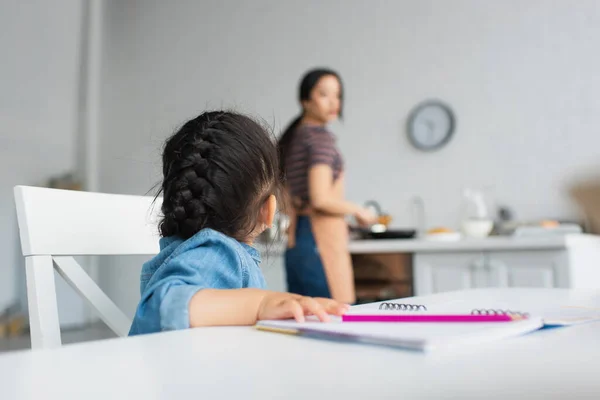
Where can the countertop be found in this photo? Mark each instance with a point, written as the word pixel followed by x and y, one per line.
pixel 430 246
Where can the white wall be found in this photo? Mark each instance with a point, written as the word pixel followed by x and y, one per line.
pixel 522 78
pixel 39 72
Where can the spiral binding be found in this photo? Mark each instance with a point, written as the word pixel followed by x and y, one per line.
pixel 402 307
pixel 499 312
pixel 477 311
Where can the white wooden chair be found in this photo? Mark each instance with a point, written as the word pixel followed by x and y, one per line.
pixel 56 225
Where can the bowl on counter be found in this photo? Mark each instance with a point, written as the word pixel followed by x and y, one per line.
pixel 477 228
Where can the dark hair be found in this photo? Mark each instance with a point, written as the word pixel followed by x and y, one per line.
pixel 218 170
pixel 307 84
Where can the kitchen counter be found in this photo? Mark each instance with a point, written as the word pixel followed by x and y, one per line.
pixel 489 243
pixel 563 261
pixel 431 246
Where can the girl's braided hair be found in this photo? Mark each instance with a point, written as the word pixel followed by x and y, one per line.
pixel 218 170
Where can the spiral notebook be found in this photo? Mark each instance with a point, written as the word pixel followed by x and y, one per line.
pixel 433 336
pixel 413 336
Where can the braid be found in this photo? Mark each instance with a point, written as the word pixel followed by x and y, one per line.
pixel 215 169
pixel 186 184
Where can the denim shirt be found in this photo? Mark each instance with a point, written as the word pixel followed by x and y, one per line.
pixel 209 259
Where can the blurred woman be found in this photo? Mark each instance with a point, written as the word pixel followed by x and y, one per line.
pixel 317 260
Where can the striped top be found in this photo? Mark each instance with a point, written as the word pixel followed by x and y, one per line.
pixel 310 146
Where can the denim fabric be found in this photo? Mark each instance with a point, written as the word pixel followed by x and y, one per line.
pixel 304 270
pixel 168 281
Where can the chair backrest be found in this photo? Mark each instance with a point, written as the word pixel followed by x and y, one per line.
pixel 56 225
pixel 66 222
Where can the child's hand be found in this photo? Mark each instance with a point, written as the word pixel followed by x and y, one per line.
pixel 288 305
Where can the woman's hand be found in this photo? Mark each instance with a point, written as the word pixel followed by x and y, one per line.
pixel 288 305
pixel 365 217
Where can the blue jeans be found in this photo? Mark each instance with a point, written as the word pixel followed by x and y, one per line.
pixel 303 266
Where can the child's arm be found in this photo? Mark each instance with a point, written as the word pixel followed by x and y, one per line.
pixel 210 307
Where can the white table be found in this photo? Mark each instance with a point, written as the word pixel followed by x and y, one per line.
pixel 244 363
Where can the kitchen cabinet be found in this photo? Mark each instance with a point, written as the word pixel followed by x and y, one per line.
pixel 441 272
pixel 545 269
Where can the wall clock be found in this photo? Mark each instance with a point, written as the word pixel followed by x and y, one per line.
pixel 430 125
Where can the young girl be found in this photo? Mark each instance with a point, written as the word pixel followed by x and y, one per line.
pixel 220 178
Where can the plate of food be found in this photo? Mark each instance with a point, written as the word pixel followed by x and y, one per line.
pixel 442 234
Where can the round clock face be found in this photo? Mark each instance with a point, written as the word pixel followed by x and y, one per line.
pixel 430 125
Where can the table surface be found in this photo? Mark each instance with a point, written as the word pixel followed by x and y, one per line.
pixel 241 362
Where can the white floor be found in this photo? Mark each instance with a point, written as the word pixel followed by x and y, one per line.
pixel 92 332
